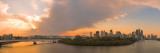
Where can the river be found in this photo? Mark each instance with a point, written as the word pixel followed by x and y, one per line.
pixel 144 46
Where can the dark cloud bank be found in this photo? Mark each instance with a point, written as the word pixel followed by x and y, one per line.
pixel 74 14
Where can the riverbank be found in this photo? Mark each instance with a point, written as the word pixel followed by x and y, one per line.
pixel 99 41
pixel 8 42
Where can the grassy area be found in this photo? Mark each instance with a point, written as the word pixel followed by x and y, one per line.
pixel 99 41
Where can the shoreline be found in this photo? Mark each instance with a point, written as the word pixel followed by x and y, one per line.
pixel 8 42
pixel 98 42
pixel 99 45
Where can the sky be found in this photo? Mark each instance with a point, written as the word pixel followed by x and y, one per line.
pixel 73 17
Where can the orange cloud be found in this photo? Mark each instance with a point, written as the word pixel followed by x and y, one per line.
pixel 20 23
pixel 50 2
pixel 117 17
pixel 34 5
pixel 149 3
pixel 3 8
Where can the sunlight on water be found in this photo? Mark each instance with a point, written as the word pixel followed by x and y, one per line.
pixel 19 44
pixel 148 46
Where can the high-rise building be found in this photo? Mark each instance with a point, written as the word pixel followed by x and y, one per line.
pixel 133 34
pixel 111 33
pixel 152 37
pixel 90 34
pixel 155 37
pixel 139 34
pixel 118 34
pixel 78 37
pixel 130 35
pixel 103 33
pixel 106 34
pixel 97 34
pixel 10 36
pixel 5 37
pixel 149 37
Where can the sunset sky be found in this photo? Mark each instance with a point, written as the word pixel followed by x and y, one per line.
pixel 72 17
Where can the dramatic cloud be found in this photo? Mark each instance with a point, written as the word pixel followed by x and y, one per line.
pixel 149 3
pixel 14 21
pixel 37 16
pixel 68 15
pixel 74 14
pixel 34 5
pixel 50 2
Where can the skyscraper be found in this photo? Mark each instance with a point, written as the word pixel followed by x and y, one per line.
pixel 155 37
pixel 118 34
pixel 139 34
pixel 149 37
pixel 111 33
pixel 133 35
pixel 106 34
pixel 152 37
pixel 10 36
pixel 103 33
pixel 97 34
pixel 90 34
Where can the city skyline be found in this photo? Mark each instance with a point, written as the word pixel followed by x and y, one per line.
pixel 70 17
pixel 138 33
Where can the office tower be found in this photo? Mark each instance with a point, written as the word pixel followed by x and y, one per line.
pixel 90 34
pixel 102 33
pixel 155 37
pixel 106 34
pixel 139 34
pixel 97 34
pixel 144 38
pixel 130 34
pixel 118 34
pixel 10 36
pixel 111 33
pixel 124 36
pixel 149 37
pixel 152 37
pixel 133 34
pixel 78 37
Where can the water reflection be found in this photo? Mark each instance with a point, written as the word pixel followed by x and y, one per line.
pixel 148 46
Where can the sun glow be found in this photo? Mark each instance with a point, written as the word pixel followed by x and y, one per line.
pixel 16 23
pixel 33 26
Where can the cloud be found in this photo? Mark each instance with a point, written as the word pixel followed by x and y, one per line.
pixel 74 14
pixel 68 15
pixel 50 2
pixel 13 21
pixel 65 15
pixel 3 11
pixel 149 3
pixel 118 16
pixel 34 5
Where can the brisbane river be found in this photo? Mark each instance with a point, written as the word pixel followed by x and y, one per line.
pixel 143 46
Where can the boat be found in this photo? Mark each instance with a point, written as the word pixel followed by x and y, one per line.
pixel 34 42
